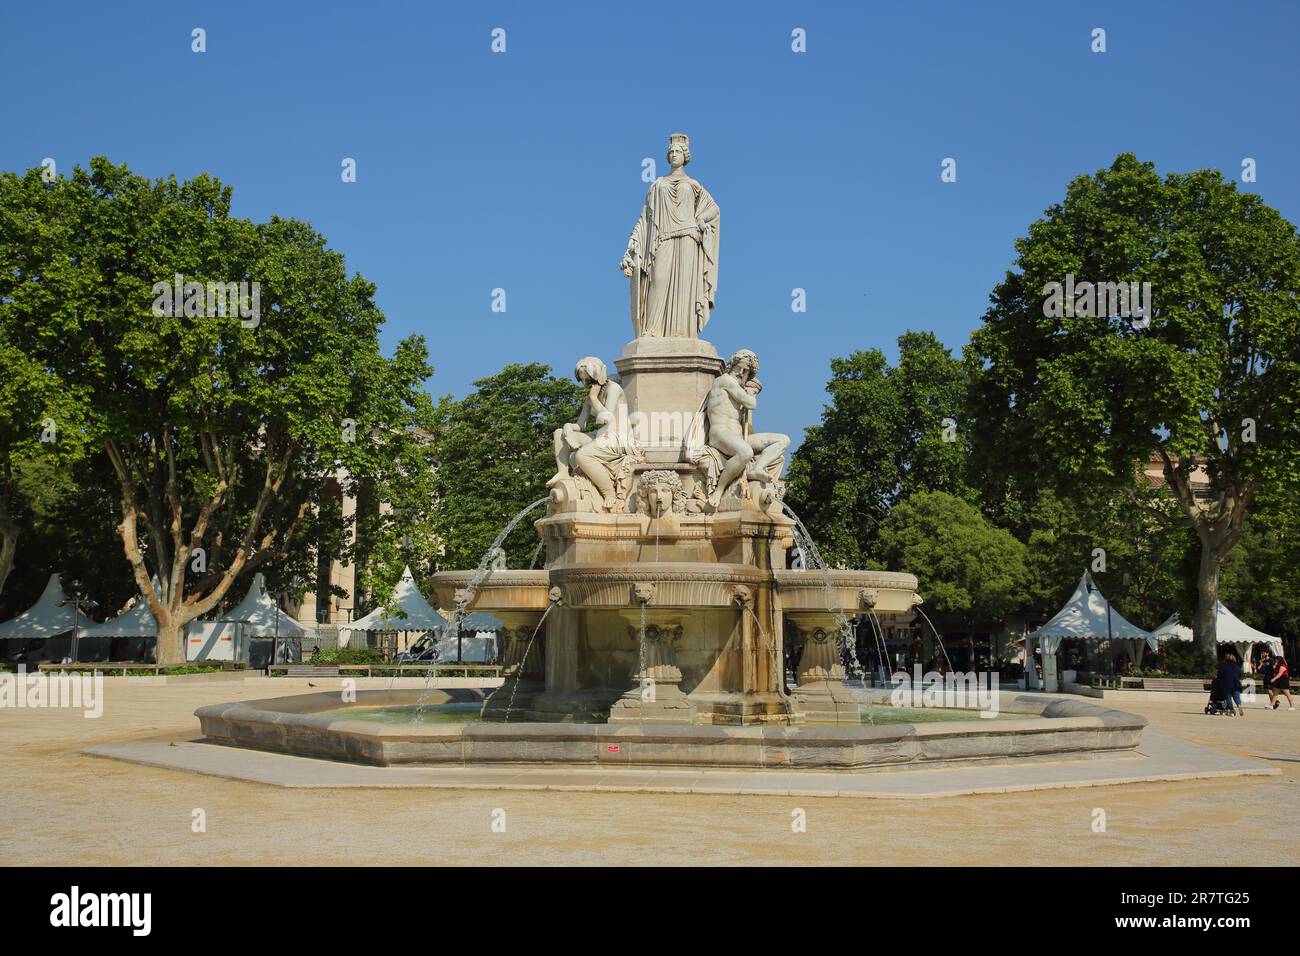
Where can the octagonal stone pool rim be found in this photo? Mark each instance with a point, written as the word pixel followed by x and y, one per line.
pixel 1045 729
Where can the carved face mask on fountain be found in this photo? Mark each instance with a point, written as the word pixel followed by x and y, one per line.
pixel 661 493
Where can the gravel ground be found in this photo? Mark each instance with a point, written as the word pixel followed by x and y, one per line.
pixel 63 807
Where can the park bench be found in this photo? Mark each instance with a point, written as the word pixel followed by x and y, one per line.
pixel 385 670
pixel 1185 684
pixel 102 667
pixel 307 670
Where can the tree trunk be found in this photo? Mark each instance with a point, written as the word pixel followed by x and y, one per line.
pixel 8 540
pixel 1217 515
pixel 1207 596
pixel 8 549
pixel 171 644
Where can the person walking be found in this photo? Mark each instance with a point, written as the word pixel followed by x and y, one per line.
pixel 1229 680
pixel 1277 681
pixel 1264 668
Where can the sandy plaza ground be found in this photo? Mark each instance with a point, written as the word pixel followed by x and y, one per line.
pixel 69 808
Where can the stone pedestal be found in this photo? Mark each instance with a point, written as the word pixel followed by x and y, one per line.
pixel 821 695
pixel 655 696
pixel 665 382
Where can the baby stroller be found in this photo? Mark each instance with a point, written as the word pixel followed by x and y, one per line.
pixel 1218 704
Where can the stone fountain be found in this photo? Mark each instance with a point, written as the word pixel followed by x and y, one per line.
pixel 655 633
pixel 665 587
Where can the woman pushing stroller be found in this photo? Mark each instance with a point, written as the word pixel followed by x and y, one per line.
pixel 1227 685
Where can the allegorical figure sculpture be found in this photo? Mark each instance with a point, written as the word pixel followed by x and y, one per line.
pixel 733 450
pixel 605 457
pixel 672 254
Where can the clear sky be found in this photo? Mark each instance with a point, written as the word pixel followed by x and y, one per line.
pixel 522 170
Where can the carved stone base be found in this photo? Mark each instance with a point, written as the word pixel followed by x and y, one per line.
pixel 821 695
pixel 745 709
pixel 570 494
pixel 827 701
pixel 665 381
pixel 655 702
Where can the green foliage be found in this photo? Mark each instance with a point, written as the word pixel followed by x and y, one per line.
pixel 1081 402
pixel 1093 395
pixel 881 438
pixel 965 567
pixel 347 655
pixel 1261 578
pixel 224 431
pixel 495 455
pixel 1186 659
pixel 68 514
pixel 1147 569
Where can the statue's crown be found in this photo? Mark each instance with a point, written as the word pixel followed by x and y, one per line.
pixel 679 139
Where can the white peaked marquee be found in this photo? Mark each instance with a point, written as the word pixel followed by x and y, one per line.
pixel 135 621
pixel 258 613
pixel 475 644
pixel 1088 616
pixel 1228 628
pixel 50 616
pixel 416 614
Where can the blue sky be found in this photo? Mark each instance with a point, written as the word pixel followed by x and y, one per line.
pixel 522 170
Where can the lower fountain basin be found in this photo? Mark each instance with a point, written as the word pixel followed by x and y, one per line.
pixel 1039 728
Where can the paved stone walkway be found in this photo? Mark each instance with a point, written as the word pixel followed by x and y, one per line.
pixel 65 807
pixel 1160 757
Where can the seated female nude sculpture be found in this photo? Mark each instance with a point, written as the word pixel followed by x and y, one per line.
pixel 601 457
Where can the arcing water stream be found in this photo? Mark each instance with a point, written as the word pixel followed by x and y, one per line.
pixel 519 670
pixel 848 635
pixel 476 580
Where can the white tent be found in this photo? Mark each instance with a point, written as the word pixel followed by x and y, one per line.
pixel 416 614
pixel 476 643
pixel 1087 615
pixel 125 637
pixel 261 616
pixel 50 616
pixel 1228 629
pixel 135 621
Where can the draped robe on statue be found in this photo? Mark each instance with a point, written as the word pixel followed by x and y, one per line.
pixel 674 248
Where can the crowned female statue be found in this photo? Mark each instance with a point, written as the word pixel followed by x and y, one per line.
pixel 672 254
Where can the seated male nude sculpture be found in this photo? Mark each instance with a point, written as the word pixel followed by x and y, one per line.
pixel 730 404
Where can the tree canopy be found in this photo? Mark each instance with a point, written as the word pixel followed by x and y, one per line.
pixel 965 566
pixel 494 453
pixel 1073 392
pixel 886 433
pixel 226 369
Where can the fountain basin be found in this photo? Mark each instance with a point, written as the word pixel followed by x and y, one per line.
pixel 1042 728
pixel 851 592
pixel 500 590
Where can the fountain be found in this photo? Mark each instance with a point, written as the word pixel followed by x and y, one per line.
pixel 655 626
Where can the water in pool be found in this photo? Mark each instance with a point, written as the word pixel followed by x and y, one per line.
pixel 465 713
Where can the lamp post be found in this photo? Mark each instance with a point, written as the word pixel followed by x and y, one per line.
pixel 76 621
pixel 1110 632
pixel 275 639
